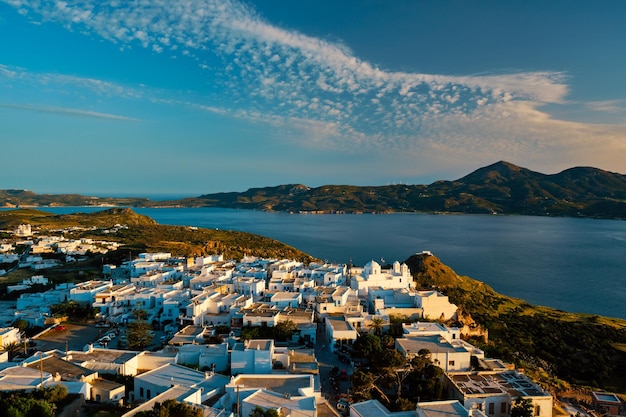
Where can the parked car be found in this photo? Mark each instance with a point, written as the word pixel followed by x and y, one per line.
pixel 344 358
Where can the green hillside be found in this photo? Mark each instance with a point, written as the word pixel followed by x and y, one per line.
pixel 554 346
pixel 500 188
pixel 144 234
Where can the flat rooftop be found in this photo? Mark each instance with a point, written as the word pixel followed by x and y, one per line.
pixel 102 355
pixel 443 409
pixel 508 382
pixel 260 344
pixel 435 344
pixel 283 384
pixel 339 325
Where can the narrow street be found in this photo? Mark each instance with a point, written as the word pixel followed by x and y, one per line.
pixel 326 360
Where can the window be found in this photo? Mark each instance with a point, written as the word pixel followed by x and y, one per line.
pixel 141 391
pixel 148 394
pixel 537 410
pixel 491 408
pixel 450 363
pixel 502 408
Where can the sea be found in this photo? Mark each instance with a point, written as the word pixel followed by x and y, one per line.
pixel 570 264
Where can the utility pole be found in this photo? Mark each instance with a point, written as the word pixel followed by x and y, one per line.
pixel 238 413
pixel 41 369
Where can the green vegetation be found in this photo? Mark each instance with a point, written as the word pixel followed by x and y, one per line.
pixel 501 188
pixel 73 311
pixel 281 332
pixel 42 403
pixel 522 407
pixel 555 347
pixel 261 412
pixel 397 382
pixel 171 408
pixel 143 234
pixel 139 332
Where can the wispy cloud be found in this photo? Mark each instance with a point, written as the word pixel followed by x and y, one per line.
pixel 67 111
pixel 292 80
pixel 93 85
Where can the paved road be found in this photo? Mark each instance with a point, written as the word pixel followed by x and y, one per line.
pixel 327 360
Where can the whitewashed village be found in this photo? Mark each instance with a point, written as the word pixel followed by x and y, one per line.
pixel 202 348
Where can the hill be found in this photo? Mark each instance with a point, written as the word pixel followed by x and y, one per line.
pixel 25 198
pixel 500 188
pixel 554 346
pixel 141 233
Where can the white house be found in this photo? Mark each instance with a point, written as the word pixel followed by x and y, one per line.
pixel 85 292
pixel 451 356
pixel 495 392
pixel 284 299
pixel 339 332
pixel 436 306
pixel 211 357
pixel 9 335
pixel 253 358
pixel 155 382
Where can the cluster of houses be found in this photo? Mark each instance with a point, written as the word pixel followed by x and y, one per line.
pixel 67 250
pixel 191 297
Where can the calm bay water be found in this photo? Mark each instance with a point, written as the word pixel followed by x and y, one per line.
pixel 576 265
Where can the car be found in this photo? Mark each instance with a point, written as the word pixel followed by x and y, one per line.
pixel 60 328
pixel 344 358
pixel 343 407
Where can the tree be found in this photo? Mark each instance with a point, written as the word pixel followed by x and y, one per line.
pixel 522 407
pixel 262 412
pixel 21 324
pixel 284 330
pixel 376 325
pixel 12 348
pixel 366 346
pixel 362 384
pixel 139 333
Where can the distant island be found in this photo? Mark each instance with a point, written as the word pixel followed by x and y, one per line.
pixel 500 188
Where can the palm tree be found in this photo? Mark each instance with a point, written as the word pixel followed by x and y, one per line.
pixel 376 325
pixel 12 348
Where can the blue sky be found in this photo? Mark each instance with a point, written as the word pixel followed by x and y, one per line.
pixel 198 96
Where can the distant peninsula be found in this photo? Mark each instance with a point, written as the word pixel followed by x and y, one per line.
pixel 500 188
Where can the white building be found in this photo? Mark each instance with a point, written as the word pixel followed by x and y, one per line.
pixel 155 382
pixel 436 306
pixel 452 356
pixel 253 358
pixel 9 335
pixel 495 392
pixel 339 332
pixel 284 299
pixel 372 275
pixel 85 292
pixel 205 357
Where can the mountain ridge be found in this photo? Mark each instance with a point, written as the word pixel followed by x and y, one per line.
pixel 499 188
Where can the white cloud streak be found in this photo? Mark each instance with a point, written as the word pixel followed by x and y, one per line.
pixel 68 111
pixel 292 80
